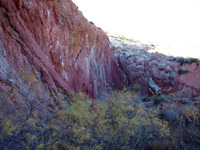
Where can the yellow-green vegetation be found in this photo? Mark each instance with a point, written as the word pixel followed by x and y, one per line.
pixel 119 122
pixel 137 87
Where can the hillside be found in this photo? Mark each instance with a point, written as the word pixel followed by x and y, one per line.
pixel 66 84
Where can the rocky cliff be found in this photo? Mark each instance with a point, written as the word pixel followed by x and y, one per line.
pixel 52 40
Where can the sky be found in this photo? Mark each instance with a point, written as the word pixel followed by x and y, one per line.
pixel 169 23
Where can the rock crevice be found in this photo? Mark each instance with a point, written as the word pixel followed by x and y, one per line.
pixel 55 39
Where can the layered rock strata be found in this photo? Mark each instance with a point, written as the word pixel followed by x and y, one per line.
pixel 54 41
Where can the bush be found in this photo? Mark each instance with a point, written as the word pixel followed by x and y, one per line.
pixel 145 98
pixel 182 60
pixel 181 71
pixel 119 122
pixel 184 123
pixel 157 99
pixel 137 88
pixel 192 60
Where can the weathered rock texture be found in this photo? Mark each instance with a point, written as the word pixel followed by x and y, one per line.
pixel 54 41
pixel 157 73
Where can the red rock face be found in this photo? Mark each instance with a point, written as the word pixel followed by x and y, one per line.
pixel 189 83
pixel 157 75
pixel 54 40
pixel 161 75
pixel 171 76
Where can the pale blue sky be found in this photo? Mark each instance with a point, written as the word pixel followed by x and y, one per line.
pixel 173 23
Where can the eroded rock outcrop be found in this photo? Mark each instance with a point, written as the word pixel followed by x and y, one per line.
pixel 156 73
pixel 54 41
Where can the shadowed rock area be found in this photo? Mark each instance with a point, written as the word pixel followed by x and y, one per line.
pixel 54 41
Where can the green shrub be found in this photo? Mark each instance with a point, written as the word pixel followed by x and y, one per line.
pixel 157 99
pixel 192 60
pixel 145 98
pixel 182 60
pixel 137 88
pixel 181 71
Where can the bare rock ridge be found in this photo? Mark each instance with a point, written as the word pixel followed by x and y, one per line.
pixel 54 41
pixel 156 73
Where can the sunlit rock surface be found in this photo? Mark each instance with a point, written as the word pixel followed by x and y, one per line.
pixel 156 73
